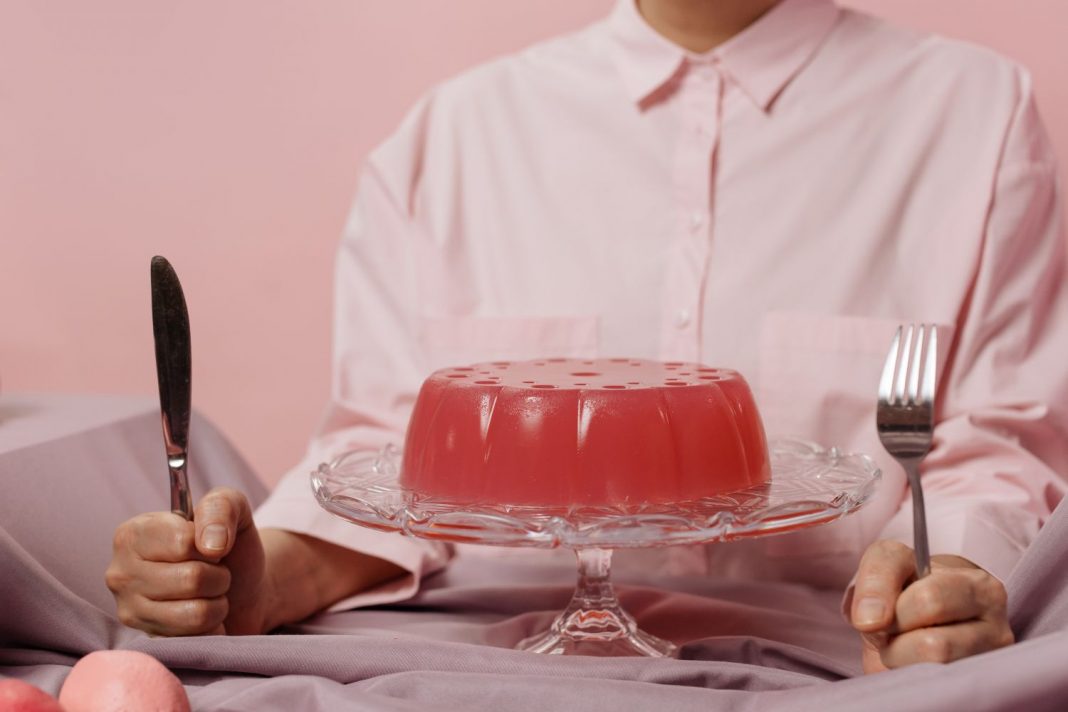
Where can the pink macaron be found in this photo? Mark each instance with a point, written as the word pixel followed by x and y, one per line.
pixel 122 681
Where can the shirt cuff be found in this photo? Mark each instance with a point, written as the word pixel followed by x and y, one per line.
pixel 991 536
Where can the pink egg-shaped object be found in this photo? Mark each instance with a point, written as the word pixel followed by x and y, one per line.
pixel 19 696
pixel 122 681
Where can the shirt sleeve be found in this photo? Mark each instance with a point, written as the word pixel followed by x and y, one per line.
pixel 997 467
pixel 377 366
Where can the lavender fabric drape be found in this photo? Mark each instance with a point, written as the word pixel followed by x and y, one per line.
pixel 744 645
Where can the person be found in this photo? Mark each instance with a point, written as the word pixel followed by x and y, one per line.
pixel 770 186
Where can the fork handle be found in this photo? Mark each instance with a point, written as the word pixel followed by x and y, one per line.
pixel 181 499
pixel 919 520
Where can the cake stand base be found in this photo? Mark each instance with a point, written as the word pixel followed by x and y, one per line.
pixel 594 623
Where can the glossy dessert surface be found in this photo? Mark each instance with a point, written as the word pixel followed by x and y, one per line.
pixel 573 432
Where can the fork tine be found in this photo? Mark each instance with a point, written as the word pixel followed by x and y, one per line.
pixel 930 367
pixel 916 366
pixel 886 381
pixel 903 361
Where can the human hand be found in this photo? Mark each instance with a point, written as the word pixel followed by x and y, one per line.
pixel 170 576
pixel 956 611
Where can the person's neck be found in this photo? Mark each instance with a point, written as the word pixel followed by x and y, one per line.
pixel 701 25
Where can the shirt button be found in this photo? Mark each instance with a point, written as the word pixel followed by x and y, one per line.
pixel 682 318
pixel 696 221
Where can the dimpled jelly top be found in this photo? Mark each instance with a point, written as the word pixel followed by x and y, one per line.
pixel 561 432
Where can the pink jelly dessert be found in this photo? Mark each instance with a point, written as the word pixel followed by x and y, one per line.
pixel 122 680
pixel 19 696
pixel 561 432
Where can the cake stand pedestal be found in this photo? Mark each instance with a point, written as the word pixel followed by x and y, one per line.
pixel 809 486
pixel 594 623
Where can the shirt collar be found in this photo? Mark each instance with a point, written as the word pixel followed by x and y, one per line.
pixel 761 60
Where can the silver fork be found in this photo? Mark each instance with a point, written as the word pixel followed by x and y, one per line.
pixel 905 417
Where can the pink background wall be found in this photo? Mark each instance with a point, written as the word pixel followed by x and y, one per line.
pixel 228 137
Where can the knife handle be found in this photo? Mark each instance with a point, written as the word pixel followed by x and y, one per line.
pixel 181 500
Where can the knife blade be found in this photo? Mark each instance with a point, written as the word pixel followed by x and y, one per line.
pixel 170 327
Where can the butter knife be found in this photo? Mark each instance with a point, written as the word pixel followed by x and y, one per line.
pixel 170 326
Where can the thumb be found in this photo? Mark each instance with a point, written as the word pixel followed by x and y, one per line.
pixel 885 569
pixel 219 517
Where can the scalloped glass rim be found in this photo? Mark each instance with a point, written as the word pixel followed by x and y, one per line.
pixel 809 485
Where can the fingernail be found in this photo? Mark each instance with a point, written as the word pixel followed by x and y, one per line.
pixel 214 537
pixel 870 611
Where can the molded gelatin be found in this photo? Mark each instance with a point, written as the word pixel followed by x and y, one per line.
pixel 564 432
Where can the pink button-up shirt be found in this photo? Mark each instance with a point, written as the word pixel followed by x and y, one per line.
pixel 778 206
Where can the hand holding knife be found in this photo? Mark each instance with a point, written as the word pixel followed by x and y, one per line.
pixel 170 326
pixel 174 576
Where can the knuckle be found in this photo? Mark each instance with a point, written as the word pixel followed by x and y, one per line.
pixel 867 580
pixel 127 534
pixel 222 499
pixel 190 578
pixel 929 601
pixel 219 504
pixel 120 540
pixel 182 540
pixel 197 614
pixel 127 617
pixel 225 578
pixel 874 582
pixel 885 550
pixel 1006 638
pixel 881 561
pixel 202 614
pixel 116 579
pixel 889 546
pixel 935 647
pixel 228 494
pixel 996 594
pixel 139 525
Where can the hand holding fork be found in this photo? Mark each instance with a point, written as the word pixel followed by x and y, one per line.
pixel 906 614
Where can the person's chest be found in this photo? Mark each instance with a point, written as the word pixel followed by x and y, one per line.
pixel 565 220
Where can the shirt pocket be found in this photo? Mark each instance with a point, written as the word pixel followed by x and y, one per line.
pixel 456 341
pixel 818 380
pixel 819 375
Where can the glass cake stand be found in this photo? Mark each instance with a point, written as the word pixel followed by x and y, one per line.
pixel 809 485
